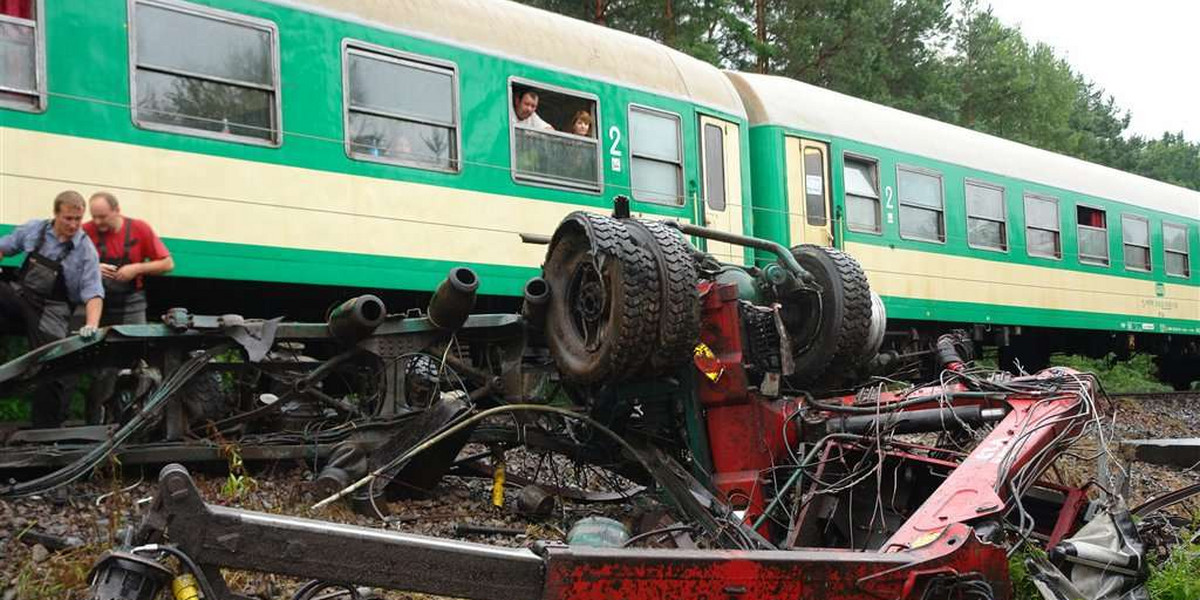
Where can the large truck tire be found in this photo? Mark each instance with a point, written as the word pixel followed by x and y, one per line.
pixel 602 317
pixel 831 338
pixel 679 298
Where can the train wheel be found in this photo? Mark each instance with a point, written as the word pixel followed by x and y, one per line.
pixel 602 318
pixel 679 300
pixel 831 338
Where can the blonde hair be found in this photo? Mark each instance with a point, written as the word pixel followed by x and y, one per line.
pixel 70 198
pixel 582 115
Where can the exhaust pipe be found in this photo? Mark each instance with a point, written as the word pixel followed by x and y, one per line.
pixel 537 298
pixel 356 318
pixel 453 300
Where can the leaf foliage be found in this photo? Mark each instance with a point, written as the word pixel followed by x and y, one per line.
pixel 955 62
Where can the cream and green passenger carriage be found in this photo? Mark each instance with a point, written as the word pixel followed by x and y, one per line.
pixel 355 143
pixel 955 227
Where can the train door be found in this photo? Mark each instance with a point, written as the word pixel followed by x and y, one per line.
pixel 721 171
pixel 809 208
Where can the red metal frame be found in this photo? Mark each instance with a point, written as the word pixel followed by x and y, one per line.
pixel 750 433
pixel 745 430
pixel 603 574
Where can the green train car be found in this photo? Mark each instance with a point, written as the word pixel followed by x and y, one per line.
pixel 364 144
pixel 287 150
pixel 1035 250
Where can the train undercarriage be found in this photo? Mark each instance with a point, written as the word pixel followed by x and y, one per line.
pixel 736 399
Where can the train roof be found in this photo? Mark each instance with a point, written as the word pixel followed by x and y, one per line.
pixel 547 39
pixel 780 101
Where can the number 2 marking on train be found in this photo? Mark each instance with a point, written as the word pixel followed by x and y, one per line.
pixel 614 152
pixel 887 194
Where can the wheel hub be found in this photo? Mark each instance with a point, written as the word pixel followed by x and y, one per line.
pixel 589 303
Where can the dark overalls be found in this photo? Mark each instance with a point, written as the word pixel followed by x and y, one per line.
pixel 36 304
pixel 124 303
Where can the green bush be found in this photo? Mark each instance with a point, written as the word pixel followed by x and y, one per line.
pixel 1177 577
pixel 14 409
pixel 1022 581
pixel 1138 374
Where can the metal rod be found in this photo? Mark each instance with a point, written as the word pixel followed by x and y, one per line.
pixel 217 536
pixel 785 256
pixel 535 238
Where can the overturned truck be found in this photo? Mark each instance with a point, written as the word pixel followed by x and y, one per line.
pixel 727 392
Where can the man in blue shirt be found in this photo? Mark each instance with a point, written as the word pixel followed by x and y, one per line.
pixel 61 269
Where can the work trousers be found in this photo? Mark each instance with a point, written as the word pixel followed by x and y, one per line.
pixel 40 325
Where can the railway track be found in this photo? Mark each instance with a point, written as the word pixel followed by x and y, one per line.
pixel 1175 395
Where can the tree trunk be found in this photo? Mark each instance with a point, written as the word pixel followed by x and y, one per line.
pixel 600 14
pixel 760 34
pixel 669 29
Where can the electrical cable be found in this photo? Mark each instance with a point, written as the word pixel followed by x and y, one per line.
pixel 205 585
pixel 85 463
pixel 653 532
pixel 475 418
pixel 310 589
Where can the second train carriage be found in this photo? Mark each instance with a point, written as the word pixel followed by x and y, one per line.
pixel 1039 251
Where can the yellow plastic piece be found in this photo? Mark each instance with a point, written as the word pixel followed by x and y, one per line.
pixel 183 587
pixel 498 484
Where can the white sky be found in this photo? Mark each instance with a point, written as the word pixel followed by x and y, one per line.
pixel 1144 53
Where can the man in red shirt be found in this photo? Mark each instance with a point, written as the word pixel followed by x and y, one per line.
pixel 129 250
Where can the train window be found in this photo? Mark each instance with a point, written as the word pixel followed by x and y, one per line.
pixel 656 148
pixel 862 194
pixel 1175 245
pixel 1092 226
pixel 1135 233
pixel 814 186
pixel 546 149
pixel 205 72
pixel 714 166
pixel 1043 235
pixel 920 194
pixel 401 109
pixel 23 76
pixel 987 226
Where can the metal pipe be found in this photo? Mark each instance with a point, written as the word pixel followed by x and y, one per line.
pixel 535 238
pixel 537 297
pixel 454 298
pixel 917 421
pixel 356 318
pixel 784 255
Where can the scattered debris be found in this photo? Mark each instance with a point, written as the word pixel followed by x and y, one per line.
pixel 646 397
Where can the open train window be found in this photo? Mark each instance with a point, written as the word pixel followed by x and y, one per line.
pixel 400 108
pixel 22 59
pixel 1135 236
pixel 1175 247
pixel 1092 227
pixel 921 211
pixel 987 225
pixel 862 194
pixel 205 72
pixel 554 136
pixel 1043 233
pixel 656 149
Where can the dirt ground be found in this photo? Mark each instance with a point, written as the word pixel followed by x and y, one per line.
pixel 89 516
